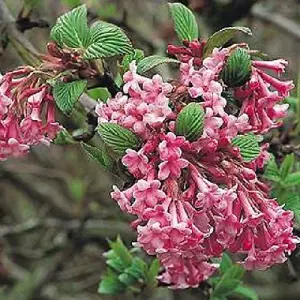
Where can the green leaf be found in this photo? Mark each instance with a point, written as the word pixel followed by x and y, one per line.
pixel 237 70
pixel 118 138
pixel 101 155
pixel 67 94
pixel 184 21
pixel 137 269
pixel 221 37
pixel 107 40
pixel 127 279
pixel 292 180
pixel 229 281
pixel 272 171
pixel 248 145
pixel 116 264
pixel 138 55
pixel 190 121
pixel 292 202
pixel 246 292
pixel 226 263
pixel 152 273
pixel 71 29
pixel 153 61
pixel 286 166
pixel 110 285
pixel 121 251
pixel 64 138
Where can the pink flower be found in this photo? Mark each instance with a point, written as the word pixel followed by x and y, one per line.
pixel 136 162
pixel 172 167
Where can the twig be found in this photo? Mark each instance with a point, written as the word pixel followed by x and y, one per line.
pixel 278 20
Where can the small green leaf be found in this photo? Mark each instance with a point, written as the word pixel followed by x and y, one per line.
pixel 152 273
pixel 184 21
pixel 116 264
pixel 100 155
pixel 226 263
pixel 138 55
pixel 110 285
pixel 107 40
pixel 229 281
pixel 237 70
pixel 292 180
pixel 121 251
pixel 246 292
pixel 190 121
pixel 137 269
pixel 272 171
pixel 248 145
pixel 64 138
pixel 67 94
pixel 286 166
pixel 221 37
pixel 118 138
pixel 127 279
pixel 71 29
pixel 292 202
pixel 153 61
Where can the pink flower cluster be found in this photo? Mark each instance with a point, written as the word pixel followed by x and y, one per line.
pixel 26 113
pixel 195 200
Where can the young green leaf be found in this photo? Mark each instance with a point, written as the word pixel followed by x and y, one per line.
pixel 138 55
pixel 272 171
pixel 292 202
pixel 226 263
pixel 67 94
pixel 71 29
pixel 121 251
pixel 237 70
pixel 107 40
pixel 221 37
pixel 248 145
pixel 190 121
pixel 153 61
pixel 152 273
pixel 246 292
pixel 63 138
pixel 229 281
pixel 110 285
pixel 184 21
pixel 118 138
pixel 116 264
pixel 286 166
pixel 100 155
pixel 292 179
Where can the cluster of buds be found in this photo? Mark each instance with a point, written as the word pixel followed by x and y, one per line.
pixel 27 106
pixel 193 193
pixel 27 113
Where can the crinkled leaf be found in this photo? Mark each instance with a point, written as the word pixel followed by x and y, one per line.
pixel 71 29
pixel 237 70
pixel 67 94
pixel 107 40
pixel 246 292
pixel 190 121
pixel 286 166
pixel 225 264
pixel 101 155
pixel 121 251
pixel 153 61
pixel 229 281
pixel 118 138
pixel 184 21
pixel 138 55
pixel 110 285
pixel 221 37
pixel 248 146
